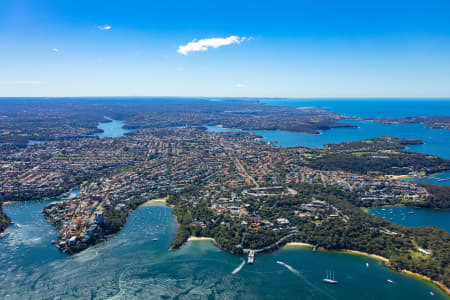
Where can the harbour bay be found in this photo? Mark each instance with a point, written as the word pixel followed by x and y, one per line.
pixel 132 264
pixel 135 262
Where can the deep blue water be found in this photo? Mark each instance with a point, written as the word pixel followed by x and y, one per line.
pixel 373 108
pixel 414 217
pixel 438 179
pixel 435 140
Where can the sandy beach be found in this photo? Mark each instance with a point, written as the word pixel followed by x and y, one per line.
pixel 398 176
pixel 299 244
pixel 9 202
pixel 386 261
pixel 346 251
pixel 378 257
pixel 199 238
pixel 439 284
pixel 161 201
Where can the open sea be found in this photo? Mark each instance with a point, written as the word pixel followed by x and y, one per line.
pixel 131 265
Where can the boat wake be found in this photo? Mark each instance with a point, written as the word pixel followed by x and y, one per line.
pixel 296 272
pixel 235 271
pixel 313 286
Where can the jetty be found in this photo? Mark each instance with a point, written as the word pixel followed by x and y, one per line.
pixel 269 247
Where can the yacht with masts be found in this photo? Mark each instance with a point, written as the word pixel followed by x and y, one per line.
pixel 330 278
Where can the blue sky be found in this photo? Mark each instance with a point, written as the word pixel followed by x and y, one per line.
pixel 248 48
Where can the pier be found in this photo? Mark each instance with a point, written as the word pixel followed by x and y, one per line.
pixel 268 248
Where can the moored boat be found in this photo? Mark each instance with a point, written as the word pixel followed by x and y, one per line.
pixel 330 278
pixel 251 257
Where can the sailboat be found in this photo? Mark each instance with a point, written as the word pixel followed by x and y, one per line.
pixel 330 278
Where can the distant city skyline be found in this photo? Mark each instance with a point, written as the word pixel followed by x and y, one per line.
pixel 288 49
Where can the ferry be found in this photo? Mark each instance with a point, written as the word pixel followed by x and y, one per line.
pixel 330 278
pixel 251 257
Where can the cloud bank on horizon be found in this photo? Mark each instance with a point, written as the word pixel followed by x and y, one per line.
pixel 204 44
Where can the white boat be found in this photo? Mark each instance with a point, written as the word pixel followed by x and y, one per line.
pixel 4 234
pixel 330 278
pixel 367 264
pixel 155 239
pixel 390 281
pixel 431 293
pixel 18 225
pixel 251 257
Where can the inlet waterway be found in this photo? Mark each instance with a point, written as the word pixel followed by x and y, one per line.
pixel 437 178
pixel 435 140
pixel 112 129
pixel 136 264
pixel 414 217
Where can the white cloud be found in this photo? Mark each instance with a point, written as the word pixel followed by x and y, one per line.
pixel 55 50
pixel 240 85
pixel 204 44
pixel 104 27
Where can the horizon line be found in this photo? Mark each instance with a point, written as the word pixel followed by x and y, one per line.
pixel 239 97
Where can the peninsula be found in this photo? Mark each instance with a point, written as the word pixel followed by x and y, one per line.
pixel 246 194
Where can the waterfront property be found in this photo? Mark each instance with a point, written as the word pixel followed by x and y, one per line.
pixel 44 272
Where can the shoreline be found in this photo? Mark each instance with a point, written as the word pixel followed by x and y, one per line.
pixel 380 258
pixel 402 205
pixel 360 253
pixel 442 286
pixel 8 202
pixel 201 238
pixel 298 244
pixel 386 261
